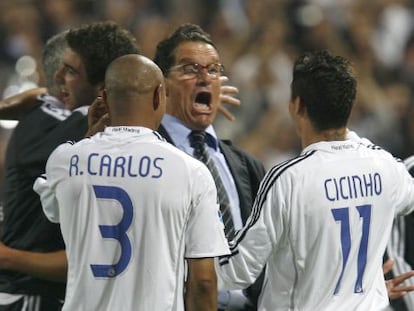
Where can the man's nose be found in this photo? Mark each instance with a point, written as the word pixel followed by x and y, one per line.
pixel 203 76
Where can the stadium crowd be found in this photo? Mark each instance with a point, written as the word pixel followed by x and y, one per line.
pixel 258 41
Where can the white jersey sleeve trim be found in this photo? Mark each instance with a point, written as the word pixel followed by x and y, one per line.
pixel 47 197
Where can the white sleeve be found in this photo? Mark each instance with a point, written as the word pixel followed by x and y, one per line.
pixel 253 244
pixel 47 198
pixel 205 230
pixel 45 185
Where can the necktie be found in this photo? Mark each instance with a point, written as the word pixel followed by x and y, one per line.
pixel 197 141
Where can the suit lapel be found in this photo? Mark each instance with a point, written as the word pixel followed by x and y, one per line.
pixel 238 169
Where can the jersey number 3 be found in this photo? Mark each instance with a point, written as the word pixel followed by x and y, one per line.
pixel 342 215
pixel 117 232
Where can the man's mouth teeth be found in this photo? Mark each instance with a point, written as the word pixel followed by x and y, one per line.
pixel 203 98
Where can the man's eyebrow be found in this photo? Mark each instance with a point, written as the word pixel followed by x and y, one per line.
pixel 186 60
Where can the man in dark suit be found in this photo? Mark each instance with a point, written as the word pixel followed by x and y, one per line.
pixel 191 66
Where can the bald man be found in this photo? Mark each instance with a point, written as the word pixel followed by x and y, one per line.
pixel 127 232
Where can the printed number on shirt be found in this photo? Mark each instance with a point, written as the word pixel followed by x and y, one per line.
pixel 117 232
pixel 341 215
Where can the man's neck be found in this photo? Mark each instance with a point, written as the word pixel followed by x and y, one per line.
pixel 311 136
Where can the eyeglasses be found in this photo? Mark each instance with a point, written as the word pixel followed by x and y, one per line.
pixel 193 70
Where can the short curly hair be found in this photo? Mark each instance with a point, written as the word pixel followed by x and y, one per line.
pixel 165 52
pixel 326 86
pixel 99 44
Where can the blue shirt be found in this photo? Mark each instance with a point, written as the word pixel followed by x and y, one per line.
pixel 179 133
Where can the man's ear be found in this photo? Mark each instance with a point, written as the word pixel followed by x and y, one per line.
pixel 156 97
pixel 105 100
pixel 299 107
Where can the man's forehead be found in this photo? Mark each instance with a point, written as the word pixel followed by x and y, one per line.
pixel 72 58
pixel 190 50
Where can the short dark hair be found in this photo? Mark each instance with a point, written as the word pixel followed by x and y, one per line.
pixel 326 86
pixel 165 52
pixel 52 58
pixel 99 44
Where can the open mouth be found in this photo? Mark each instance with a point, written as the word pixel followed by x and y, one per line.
pixel 203 98
pixel 63 92
pixel 62 95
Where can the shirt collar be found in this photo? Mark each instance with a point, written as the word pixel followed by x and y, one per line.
pixel 179 132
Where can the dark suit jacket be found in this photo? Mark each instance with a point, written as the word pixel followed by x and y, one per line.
pixel 246 170
pixel 247 173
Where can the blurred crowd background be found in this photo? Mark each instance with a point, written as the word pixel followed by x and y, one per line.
pixel 258 41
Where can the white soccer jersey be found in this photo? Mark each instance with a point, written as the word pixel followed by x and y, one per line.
pixel 320 223
pixel 131 208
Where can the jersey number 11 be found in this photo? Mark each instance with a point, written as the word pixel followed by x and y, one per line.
pixel 342 215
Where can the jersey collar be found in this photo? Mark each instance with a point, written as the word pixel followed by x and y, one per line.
pixel 332 146
pixel 179 133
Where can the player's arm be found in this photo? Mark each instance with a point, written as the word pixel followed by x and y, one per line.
pixel 227 94
pixel 13 107
pixel 248 258
pixel 50 266
pixel 201 286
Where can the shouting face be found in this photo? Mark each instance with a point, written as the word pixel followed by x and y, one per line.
pixel 193 84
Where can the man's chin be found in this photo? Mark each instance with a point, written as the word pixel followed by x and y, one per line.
pixel 201 122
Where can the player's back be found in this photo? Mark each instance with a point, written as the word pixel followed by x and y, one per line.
pixel 126 205
pixel 338 201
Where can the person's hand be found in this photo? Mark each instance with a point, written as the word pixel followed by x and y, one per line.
pixel 227 94
pixel 98 117
pixel 394 289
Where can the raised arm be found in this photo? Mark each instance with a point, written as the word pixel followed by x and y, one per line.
pixel 13 107
pixel 201 286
